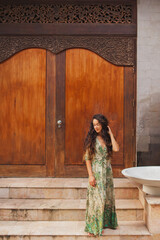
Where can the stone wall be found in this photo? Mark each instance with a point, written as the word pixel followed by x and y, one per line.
pixel 148 82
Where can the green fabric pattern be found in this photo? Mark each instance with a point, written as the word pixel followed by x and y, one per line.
pixel 100 201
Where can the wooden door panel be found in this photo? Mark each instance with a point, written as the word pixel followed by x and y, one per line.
pixel 27 106
pixel 22 104
pixel 88 85
pixel 93 86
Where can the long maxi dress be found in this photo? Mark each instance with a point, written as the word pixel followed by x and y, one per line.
pixel 100 202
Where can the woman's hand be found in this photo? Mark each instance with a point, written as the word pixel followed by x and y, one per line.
pixel 115 145
pixel 92 181
pixel 110 132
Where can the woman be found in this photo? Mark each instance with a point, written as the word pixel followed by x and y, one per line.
pixel 100 203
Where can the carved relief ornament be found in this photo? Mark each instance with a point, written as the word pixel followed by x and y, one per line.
pixel 117 50
pixel 66 13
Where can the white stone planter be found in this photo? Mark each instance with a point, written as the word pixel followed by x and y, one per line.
pixel 148 177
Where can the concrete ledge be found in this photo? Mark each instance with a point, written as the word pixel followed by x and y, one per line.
pixel 57 182
pixel 70 228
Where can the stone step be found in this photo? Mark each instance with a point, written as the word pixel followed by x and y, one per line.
pixel 69 230
pixel 56 188
pixel 62 209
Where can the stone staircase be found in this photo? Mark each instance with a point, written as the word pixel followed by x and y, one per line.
pixel 54 208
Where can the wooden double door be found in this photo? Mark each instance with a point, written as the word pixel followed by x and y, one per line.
pixel 46 105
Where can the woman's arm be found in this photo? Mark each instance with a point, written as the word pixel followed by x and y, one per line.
pixel 115 145
pixel 92 180
pixel 89 168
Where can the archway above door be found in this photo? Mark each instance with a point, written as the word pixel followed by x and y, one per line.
pixel 117 50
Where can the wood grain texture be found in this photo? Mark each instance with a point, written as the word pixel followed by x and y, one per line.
pixel 93 86
pixel 130 116
pixel 8 29
pixel 22 171
pixel 50 113
pixel 60 114
pixel 22 107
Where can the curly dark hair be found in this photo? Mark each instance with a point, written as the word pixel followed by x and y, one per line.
pixel 89 142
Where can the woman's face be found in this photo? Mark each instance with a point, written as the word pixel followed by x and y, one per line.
pixel 97 126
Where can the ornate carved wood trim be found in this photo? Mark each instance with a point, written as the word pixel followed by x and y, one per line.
pixel 108 28
pixel 68 12
pixel 117 50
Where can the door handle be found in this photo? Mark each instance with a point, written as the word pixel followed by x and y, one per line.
pixel 59 123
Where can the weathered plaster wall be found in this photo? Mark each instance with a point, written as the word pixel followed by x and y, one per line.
pixel 148 82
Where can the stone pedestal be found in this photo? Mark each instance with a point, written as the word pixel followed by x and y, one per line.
pixel 152 213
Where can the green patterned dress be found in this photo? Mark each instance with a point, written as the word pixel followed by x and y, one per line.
pixel 100 202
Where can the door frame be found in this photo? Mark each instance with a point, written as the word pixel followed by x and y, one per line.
pixel 114 42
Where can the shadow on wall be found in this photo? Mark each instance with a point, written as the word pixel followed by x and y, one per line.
pixel 150 123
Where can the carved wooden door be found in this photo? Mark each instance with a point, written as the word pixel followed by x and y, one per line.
pixel 86 85
pixel 47 102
